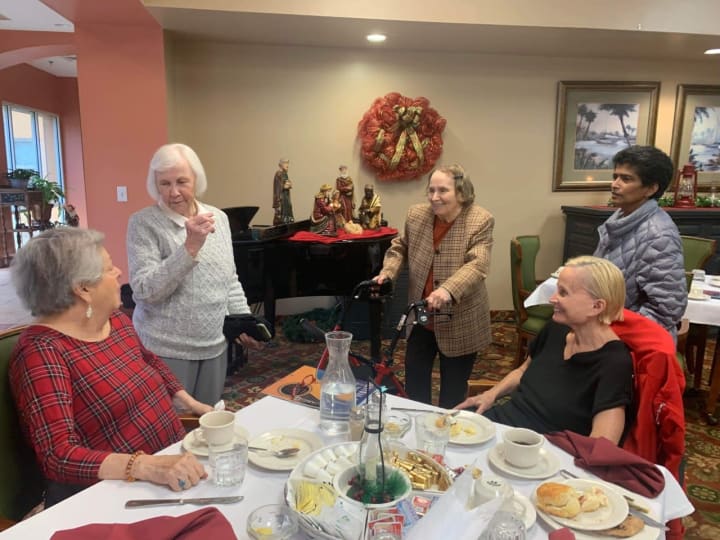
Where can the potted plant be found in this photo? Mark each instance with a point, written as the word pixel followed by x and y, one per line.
pixel 51 194
pixel 19 178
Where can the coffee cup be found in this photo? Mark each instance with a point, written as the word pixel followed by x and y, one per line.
pixel 521 447
pixel 217 428
pixel 489 488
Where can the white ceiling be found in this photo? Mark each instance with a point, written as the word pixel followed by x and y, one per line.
pixel 36 16
pixel 325 31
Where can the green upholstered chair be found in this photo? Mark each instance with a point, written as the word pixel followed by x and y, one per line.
pixel 696 253
pixel 21 481
pixel 523 251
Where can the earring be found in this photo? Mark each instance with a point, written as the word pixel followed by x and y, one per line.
pixel 88 311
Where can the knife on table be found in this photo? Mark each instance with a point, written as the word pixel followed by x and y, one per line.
pixel 647 519
pixel 137 503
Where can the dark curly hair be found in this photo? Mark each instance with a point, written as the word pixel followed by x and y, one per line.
pixel 652 165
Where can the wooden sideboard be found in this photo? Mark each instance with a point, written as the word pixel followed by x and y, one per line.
pixel 16 224
pixel 581 225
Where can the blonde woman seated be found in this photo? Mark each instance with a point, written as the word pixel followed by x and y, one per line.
pixel 578 374
pixel 93 402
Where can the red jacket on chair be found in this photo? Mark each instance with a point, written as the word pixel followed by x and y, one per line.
pixel 657 432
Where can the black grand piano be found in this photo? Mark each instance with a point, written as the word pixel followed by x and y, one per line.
pixel 271 267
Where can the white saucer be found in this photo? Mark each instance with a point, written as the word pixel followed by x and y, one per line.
pixel 547 466
pixel 524 509
pixel 191 443
pixel 699 296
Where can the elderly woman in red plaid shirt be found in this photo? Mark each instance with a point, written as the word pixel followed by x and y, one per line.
pixel 92 401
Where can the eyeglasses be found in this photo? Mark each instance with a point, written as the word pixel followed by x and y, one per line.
pixel 303 387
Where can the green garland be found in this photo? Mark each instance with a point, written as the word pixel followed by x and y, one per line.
pixel 367 493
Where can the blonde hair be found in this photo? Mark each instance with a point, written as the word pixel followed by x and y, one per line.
pixel 603 281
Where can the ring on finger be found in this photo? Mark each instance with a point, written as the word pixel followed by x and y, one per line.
pixel 181 483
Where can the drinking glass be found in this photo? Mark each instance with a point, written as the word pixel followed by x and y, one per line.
pixel 229 463
pixel 505 526
pixel 433 433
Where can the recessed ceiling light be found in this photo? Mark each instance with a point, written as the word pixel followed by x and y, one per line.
pixel 712 51
pixel 376 38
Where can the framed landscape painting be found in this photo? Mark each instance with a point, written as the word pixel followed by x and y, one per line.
pixel 594 121
pixel 696 132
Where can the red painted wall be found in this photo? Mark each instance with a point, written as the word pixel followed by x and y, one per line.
pixel 122 93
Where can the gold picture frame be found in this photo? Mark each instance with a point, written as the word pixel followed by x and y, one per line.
pixel 696 132
pixel 594 121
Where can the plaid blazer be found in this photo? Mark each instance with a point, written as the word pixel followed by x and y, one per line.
pixel 460 265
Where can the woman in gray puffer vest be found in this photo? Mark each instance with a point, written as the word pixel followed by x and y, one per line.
pixel 642 239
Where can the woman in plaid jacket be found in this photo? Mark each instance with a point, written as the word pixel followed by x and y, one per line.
pixel 446 244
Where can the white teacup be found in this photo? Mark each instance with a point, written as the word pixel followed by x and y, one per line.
pixel 217 428
pixel 521 447
pixel 489 488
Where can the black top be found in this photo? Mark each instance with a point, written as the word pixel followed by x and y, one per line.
pixel 556 394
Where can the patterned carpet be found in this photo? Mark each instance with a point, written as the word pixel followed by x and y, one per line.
pixel 702 472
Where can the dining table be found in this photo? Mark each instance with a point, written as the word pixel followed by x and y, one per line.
pixel 104 502
pixel 701 310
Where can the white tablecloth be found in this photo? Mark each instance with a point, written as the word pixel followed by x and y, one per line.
pixel 697 311
pixel 104 502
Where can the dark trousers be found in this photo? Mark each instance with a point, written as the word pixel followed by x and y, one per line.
pixel 454 370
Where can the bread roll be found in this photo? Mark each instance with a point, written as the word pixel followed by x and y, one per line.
pixel 558 500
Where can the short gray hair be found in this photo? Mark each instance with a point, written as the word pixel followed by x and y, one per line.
pixel 464 189
pixel 172 155
pixel 47 268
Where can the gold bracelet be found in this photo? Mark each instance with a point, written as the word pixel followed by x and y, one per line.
pixel 128 468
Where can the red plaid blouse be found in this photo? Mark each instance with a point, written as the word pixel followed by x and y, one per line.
pixel 79 402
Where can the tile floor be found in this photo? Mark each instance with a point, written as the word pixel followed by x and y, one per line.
pixel 12 313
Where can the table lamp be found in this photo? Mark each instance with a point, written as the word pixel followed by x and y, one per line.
pixel 686 187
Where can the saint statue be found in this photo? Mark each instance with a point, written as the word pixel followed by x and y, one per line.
pixel 369 212
pixel 323 215
pixel 344 186
pixel 281 194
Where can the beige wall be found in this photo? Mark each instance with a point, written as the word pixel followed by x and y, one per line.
pixel 242 107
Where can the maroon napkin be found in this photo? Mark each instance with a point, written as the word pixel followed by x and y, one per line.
pixel 562 534
pixel 199 525
pixel 611 463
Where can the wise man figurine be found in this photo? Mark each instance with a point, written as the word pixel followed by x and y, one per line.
pixel 345 188
pixel 323 214
pixel 369 213
pixel 281 194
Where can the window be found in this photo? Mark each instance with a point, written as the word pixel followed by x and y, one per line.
pixel 32 141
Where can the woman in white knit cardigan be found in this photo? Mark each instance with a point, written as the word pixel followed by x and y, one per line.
pixel 182 273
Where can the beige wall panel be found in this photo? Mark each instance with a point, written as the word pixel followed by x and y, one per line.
pixel 242 107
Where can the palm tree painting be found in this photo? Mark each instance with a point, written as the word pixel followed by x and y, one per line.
pixel 704 150
pixel 601 130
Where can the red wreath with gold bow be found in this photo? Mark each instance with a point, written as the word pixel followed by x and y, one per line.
pixel 401 137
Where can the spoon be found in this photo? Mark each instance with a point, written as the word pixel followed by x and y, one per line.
pixel 282 453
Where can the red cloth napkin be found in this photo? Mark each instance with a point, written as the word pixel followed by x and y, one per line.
pixel 562 534
pixel 611 463
pixel 342 236
pixel 199 525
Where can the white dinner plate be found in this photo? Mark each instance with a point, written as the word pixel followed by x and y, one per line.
pixel 547 466
pixel 193 444
pixel 471 428
pixel 283 438
pixel 603 518
pixel 715 281
pixel 699 296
